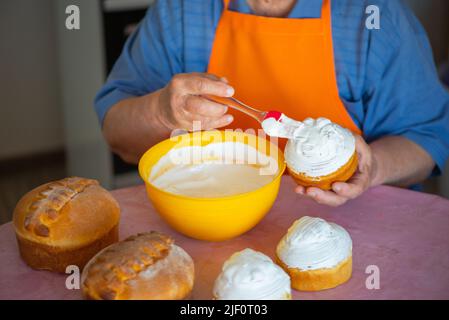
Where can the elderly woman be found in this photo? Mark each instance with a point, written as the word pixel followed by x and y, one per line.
pixel 306 58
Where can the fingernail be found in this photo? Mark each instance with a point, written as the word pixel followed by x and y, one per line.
pixel 230 91
pixel 312 193
pixel 229 118
pixel 337 188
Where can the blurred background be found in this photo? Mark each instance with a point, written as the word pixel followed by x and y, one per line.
pixel 49 76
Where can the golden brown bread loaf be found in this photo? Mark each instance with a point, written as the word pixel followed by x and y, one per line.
pixel 147 266
pixel 65 222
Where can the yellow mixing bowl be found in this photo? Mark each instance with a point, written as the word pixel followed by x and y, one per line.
pixel 212 219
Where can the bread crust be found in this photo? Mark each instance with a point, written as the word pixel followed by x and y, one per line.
pixel 319 279
pixel 65 222
pixel 147 266
pixel 325 182
pixel 44 257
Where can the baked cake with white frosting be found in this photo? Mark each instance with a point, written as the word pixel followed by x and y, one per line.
pixel 316 254
pixel 251 275
pixel 321 152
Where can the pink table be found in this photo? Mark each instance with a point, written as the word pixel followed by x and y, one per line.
pixel 404 233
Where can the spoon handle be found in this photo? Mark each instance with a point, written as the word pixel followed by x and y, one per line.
pixel 240 106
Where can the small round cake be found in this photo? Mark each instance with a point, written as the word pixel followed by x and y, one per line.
pixel 146 266
pixel 65 222
pixel 316 254
pixel 320 154
pixel 251 275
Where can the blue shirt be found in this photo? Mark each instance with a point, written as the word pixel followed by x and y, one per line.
pixel 386 78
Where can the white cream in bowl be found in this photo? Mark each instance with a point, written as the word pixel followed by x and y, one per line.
pixel 215 170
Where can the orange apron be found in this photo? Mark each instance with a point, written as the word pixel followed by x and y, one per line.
pixel 279 64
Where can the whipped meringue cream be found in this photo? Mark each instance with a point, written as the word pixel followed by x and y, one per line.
pixel 319 147
pixel 283 128
pixel 312 243
pixel 251 275
pixel 215 170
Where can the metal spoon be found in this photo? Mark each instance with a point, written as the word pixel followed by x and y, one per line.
pixel 259 115
pixel 289 125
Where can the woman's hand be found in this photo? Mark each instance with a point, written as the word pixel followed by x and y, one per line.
pixel 135 124
pixel 181 102
pixel 359 182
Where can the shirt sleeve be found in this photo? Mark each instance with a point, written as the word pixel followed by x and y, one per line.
pixel 150 57
pixel 404 95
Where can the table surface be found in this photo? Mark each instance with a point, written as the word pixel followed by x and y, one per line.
pixel 404 233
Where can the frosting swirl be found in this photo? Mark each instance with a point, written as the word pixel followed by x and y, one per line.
pixel 312 243
pixel 319 147
pixel 251 275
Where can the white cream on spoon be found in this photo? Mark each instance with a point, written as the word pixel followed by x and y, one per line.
pixel 283 127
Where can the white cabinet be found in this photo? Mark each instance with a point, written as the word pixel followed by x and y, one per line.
pixel 83 70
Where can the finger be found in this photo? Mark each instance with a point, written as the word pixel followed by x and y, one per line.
pixel 300 190
pixel 219 123
pixel 200 85
pixel 353 187
pixel 325 197
pixel 194 123
pixel 204 107
pixel 362 149
pixel 214 77
pixel 209 76
pixel 197 123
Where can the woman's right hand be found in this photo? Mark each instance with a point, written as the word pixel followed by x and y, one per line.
pixel 135 124
pixel 182 102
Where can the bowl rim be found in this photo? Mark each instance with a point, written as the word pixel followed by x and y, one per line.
pixel 281 163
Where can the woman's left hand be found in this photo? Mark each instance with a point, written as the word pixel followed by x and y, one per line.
pixel 344 191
